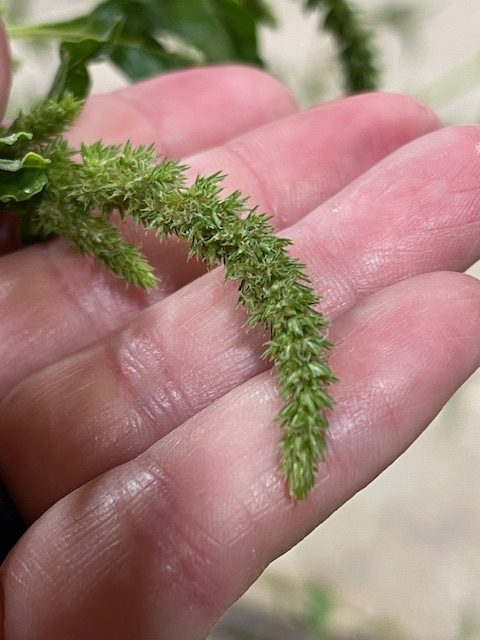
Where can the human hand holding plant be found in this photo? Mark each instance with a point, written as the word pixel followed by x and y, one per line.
pixel 136 433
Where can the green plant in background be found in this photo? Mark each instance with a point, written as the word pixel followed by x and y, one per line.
pixel 318 610
pixel 354 44
pixel 156 36
pixel 55 195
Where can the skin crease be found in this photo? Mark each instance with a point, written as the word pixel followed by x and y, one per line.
pixel 147 461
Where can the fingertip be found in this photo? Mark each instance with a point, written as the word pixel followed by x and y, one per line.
pixel 185 112
pixel 268 89
pixel 236 98
pixel 407 106
pixel 233 84
pixel 400 118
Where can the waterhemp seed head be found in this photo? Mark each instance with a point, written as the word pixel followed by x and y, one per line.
pixel 74 192
pixel 76 199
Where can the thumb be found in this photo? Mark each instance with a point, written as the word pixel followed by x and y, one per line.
pixel 5 76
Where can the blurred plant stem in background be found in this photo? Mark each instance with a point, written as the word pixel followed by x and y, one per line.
pixel 453 84
pixel 319 615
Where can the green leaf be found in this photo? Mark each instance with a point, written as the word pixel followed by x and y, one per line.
pixel 21 178
pixel 164 36
pixel 142 57
pixel 222 30
pixel 240 24
pixel 30 160
pixel 72 76
pixel 21 185
pixel 12 138
pixel 155 37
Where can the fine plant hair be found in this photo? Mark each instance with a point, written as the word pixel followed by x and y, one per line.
pixel 73 193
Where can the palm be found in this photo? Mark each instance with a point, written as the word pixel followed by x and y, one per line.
pixel 137 435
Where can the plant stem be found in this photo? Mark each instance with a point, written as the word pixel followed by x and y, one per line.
pixel 354 43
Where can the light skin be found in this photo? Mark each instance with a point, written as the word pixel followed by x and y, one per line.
pixel 136 431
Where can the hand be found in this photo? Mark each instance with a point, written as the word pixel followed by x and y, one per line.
pixel 136 433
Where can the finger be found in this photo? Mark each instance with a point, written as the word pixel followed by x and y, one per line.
pixel 182 530
pixel 181 113
pixel 79 302
pixel 415 213
pixel 180 355
pixel 187 111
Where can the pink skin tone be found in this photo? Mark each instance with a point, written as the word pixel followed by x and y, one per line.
pixel 136 431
